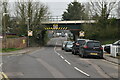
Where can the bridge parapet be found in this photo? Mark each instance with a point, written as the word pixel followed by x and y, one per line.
pixel 69 22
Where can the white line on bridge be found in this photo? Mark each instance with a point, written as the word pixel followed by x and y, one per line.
pixel 82 71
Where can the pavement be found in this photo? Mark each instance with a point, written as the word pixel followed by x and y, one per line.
pixel 22 51
pixel 108 57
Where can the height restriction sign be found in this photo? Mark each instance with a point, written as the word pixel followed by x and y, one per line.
pixel 55 26
pixel 81 33
pixel 30 33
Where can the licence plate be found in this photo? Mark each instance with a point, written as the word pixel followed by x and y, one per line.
pixel 93 53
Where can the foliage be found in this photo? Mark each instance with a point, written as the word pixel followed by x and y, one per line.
pixel 106 29
pixel 98 31
pixel 75 11
pixel 9 49
pixel 29 14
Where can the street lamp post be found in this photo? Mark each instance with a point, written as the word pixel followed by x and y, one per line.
pixel 5 28
pixel 28 28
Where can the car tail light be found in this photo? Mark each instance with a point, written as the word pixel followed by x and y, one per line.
pixel 85 46
pixel 101 48
pixel 77 44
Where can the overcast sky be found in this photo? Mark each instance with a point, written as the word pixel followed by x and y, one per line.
pixel 63 0
pixel 52 0
pixel 57 7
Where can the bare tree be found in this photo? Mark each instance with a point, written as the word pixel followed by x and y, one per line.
pixel 118 10
pixel 29 16
pixel 0 17
pixel 102 8
pixel 32 12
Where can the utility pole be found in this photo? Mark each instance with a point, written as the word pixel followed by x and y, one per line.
pixel 28 28
pixel 5 28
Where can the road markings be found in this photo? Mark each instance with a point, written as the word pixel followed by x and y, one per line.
pixel 5 76
pixel 110 62
pixel 1 64
pixel 81 71
pixel 62 57
pixel 58 54
pixel 67 62
pixel 70 63
pixel 56 51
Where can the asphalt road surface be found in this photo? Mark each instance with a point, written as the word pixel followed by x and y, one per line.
pixel 52 62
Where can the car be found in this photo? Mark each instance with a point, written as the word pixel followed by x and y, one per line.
pixel 91 48
pixel 68 46
pixel 108 46
pixel 63 45
pixel 77 44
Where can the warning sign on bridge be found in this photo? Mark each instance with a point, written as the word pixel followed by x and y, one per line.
pixel 55 26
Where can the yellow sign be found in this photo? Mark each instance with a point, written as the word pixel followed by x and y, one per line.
pixel 30 33
pixel 55 26
pixel 24 41
pixel 81 33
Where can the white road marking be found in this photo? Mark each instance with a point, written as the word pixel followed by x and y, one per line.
pixel 62 57
pixel 58 54
pixel 56 51
pixel 67 62
pixel 110 62
pixel 81 71
pixel 1 64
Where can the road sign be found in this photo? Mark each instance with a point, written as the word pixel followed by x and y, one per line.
pixel 55 26
pixel 30 33
pixel 81 33
pixel 24 41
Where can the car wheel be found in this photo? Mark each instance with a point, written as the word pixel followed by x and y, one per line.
pixel 66 50
pixel 101 57
pixel 72 52
pixel 82 54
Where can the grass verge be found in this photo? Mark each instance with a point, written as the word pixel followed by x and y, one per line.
pixel 9 49
pixel 107 42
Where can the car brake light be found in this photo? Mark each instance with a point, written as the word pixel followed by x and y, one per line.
pixel 101 48
pixel 85 46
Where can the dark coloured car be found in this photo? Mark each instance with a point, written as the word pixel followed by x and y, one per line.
pixel 91 48
pixel 77 44
pixel 107 47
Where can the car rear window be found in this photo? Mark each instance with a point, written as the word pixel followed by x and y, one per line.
pixel 81 42
pixel 70 43
pixel 93 44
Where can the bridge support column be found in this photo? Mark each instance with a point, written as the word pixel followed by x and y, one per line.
pixel 75 35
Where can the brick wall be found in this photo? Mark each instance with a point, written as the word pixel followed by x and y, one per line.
pixel 14 42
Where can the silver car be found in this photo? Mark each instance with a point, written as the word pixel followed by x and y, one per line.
pixel 68 46
pixel 63 45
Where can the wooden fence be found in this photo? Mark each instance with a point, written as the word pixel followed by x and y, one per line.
pixel 13 42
